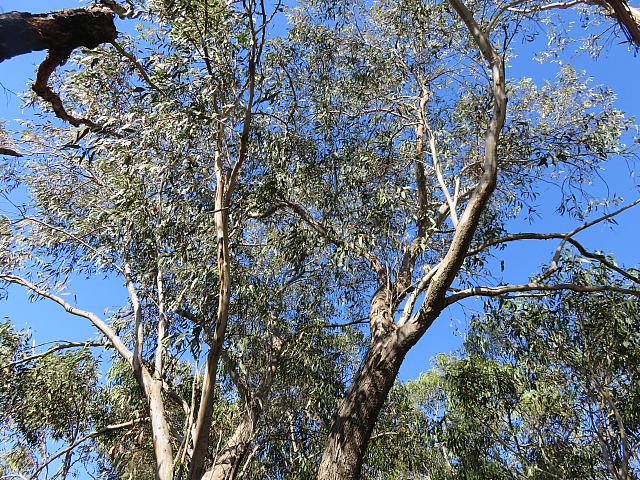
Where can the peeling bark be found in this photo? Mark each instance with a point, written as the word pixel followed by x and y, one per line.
pixel 381 316
pixel 204 416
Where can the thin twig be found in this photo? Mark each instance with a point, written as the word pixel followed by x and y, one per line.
pixel 53 350
pixel 95 433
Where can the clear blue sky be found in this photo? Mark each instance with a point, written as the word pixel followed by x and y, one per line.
pixel 47 321
pixel 619 69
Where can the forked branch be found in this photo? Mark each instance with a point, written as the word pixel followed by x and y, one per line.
pixel 84 438
pixel 468 222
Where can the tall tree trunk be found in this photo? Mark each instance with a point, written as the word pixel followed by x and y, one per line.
pixel 205 410
pixel 160 430
pixel 358 412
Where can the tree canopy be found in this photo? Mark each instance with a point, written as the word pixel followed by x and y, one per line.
pixel 291 195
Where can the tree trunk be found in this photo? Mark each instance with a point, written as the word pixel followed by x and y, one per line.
pixel 160 430
pixel 61 31
pixel 204 417
pixel 358 412
pixel 227 463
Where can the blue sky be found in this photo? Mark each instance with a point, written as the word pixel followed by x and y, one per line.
pixel 48 322
pixel 618 68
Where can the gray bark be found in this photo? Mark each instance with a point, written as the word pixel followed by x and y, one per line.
pixel 358 412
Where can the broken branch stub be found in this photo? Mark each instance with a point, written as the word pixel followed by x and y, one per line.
pixel 61 31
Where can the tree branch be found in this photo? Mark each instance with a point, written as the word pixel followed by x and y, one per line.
pixel 10 152
pixel 566 238
pixel 627 16
pixel 108 332
pixel 450 265
pixel 534 286
pixel 41 87
pixel 61 31
pixel 451 202
pixel 138 329
pixel 143 73
pixel 327 235
pixel 54 349
pixel 95 433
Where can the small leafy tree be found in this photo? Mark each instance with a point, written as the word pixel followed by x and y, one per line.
pixel 545 388
pixel 49 396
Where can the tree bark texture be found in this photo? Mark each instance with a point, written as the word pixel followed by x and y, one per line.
pixel 160 429
pixel 60 32
pixel 358 412
pixel 205 410
pixel 628 17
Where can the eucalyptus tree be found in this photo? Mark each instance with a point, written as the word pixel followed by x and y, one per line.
pixel 145 188
pixel 545 387
pixel 363 163
pixel 403 157
pixel 42 397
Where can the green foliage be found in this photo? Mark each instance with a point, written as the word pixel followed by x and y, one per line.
pixel 49 398
pixel 330 180
pixel 546 389
pixel 403 444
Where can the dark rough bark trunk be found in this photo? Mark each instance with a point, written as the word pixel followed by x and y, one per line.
pixel 61 31
pixel 358 412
